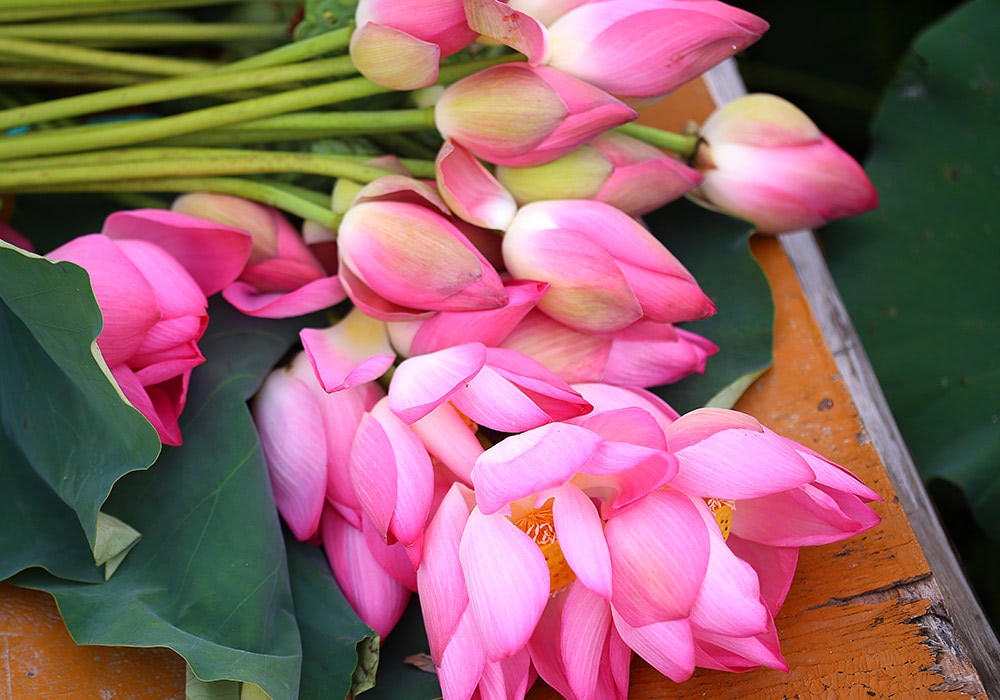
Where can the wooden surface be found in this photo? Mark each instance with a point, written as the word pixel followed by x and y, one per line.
pixel 864 618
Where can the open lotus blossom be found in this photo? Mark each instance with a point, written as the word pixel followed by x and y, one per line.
pixel 637 50
pixel 283 276
pixel 402 257
pixel 644 354
pixel 765 161
pixel 516 115
pixel 612 168
pixel 567 527
pixel 605 271
pixel 399 43
pixel 154 315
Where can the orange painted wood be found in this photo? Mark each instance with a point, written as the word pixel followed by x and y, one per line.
pixel 862 618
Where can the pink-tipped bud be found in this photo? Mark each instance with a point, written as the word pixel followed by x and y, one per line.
pixel 516 115
pixel 604 270
pixel 402 258
pixel 399 43
pixel 765 161
pixel 613 168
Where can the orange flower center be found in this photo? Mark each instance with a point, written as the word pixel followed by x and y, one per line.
pixel 723 512
pixel 537 523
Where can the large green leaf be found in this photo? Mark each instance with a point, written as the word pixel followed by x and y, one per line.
pixel 68 434
pixel 715 248
pixel 921 275
pixel 209 577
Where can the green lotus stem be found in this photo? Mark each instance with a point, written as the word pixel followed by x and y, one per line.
pixel 93 137
pixel 170 163
pixel 90 138
pixel 173 88
pixel 682 144
pixel 146 32
pixel 96 58
pixel 420 168
pixel 66 75
pixel 329 42
pixel 303 126
pixel 277 196
pixel 25 10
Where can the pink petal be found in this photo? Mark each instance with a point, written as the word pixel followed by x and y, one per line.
pixel 161 414
pixel 440 580
pixel 492 401
pixel 460 664
pixel 393 58
pixel 737 654
pixel 447 328
pixel 290 426
pixel 507 580
pixel 806 516
pixel 729 602
pixel 353 351
pixel 213 254
pixel 733 462
pixel 421 383
pixel 314 296
pixel 127 300
pixel 580 533
pixel 666 646
pixel 377 598
pixel 177 294
pixel 586 626
pixel 503 24
pixel 471 191
pixel 392 475
pixel 448 437
pixel 775 567
pixel 393 558
pixel 533 461
pixel 659 555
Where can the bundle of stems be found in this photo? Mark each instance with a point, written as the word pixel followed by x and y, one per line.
pixel 152 122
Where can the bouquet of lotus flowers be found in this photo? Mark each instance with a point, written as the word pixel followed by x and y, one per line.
pixel 406 300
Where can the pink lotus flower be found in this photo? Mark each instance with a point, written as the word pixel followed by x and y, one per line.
pixel 569 519
pixel 612 168
pixel 765 161
pixel 282 276
pixel 604 270
pixel 154 314
pixel 401 257
pixel 637 50
pixel 399 43
pixel 516 115
pixel 306 436
pixel 644 354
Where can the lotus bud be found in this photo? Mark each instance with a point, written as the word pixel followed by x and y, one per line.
pixel 613 168
pixel 399 43
pixel 604 269
pixel 765 161
pixel 516 115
